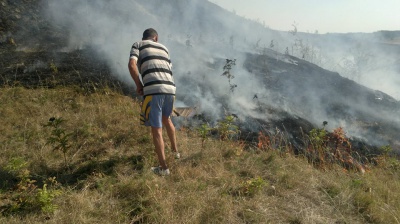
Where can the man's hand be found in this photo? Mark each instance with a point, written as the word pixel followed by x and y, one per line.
pixel 139 90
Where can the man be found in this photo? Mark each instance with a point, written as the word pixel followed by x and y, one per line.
pixel 151 60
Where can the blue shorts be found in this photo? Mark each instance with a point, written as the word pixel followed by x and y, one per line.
pixel 154 107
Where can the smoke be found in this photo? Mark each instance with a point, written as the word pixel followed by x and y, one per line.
pixel 371 59
pixel 186 27
pixel 201 36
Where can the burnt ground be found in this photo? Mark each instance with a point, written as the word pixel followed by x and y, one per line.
pixel 32 56
pixel 304 86
pixel 45 70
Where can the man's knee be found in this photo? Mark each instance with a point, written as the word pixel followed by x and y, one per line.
pixel 156 131
pixel 166 120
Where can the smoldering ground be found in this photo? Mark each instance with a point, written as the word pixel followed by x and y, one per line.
pixel 201 36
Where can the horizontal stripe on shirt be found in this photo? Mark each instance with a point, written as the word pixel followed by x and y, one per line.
pixel 155 70
pixel 159 82
pixel 152 46
pixel 153 57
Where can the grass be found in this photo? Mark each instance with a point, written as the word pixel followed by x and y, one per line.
pixel 107 178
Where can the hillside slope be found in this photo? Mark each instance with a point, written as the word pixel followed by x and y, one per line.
pixel 51 71
pixel 104 174
pixel 40 47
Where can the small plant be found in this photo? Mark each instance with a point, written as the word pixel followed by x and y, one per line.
pixel 326 149
pixel 227 72
pixel 226 128
pixel 53 67
pixel 45 199
pixel 58 137
pixel 22 198
pixel 252 187
pixel 385 150
pixel 318 138
pixel 26 196
pixel 204 131
pixel 17 166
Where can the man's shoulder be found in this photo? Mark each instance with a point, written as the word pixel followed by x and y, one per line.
pixel 136 45
pixel 148 42
pixel 157 44
pixel 140 43
pixel 149 45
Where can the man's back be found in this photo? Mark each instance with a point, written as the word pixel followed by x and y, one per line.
pixel 154 65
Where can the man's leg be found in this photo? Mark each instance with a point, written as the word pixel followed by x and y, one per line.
pixel 159 146
pixel 169 126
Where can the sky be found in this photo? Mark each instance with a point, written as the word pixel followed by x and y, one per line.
pixel 324 16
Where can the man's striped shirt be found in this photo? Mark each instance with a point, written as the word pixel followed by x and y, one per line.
pixel 154 65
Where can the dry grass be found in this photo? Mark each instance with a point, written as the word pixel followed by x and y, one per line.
pixel 108 177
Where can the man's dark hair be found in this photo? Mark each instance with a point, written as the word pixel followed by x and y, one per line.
pixel 149 33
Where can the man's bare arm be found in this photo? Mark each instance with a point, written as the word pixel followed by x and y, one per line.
pixel 133 70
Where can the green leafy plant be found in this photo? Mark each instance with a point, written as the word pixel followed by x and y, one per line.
pixel 325 149
pixel 252 187
pixel 59 139
pixel 18 167
pixel 226 128
pixel 385 150
pixel 204 132
pixel 45 198
pixel 318 139
pixel 16 164
pixel 26 195
pixel 22 198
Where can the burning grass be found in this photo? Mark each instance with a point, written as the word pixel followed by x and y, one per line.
pixel 105 175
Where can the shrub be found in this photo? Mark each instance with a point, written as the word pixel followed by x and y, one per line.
pixel 252 186
pixel 204 131
pixel 226 128
pixel 58 137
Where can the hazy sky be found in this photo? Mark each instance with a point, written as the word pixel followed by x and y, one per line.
pixel 334 16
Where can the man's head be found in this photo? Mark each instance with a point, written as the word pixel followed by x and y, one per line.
pixel 150 34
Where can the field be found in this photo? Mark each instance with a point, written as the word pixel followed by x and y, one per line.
pixel 69 156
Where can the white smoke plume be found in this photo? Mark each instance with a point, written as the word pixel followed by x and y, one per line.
pixel 193 40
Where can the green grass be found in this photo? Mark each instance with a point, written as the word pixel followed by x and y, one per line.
pixel 108 177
